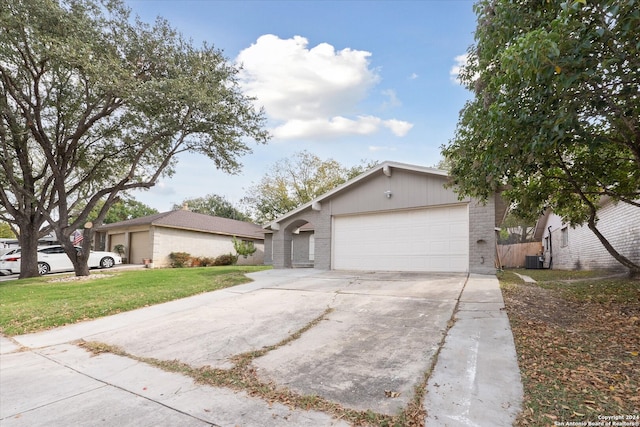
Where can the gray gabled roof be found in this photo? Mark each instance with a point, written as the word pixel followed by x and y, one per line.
pixel 187 220
pixel 384 166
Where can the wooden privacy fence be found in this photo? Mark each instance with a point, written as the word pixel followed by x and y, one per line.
pixel 513 256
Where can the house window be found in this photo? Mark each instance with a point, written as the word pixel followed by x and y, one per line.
pixel 564 234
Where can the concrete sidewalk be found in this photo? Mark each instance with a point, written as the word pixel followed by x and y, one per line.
pixel 384 332
pixel 476 381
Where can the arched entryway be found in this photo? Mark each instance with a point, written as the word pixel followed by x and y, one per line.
pixel 298 244
pixel 303 246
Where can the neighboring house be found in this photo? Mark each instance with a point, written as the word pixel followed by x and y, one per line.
pixel 567 248
pixel 7 244
pixel 394 217
pixel 154 237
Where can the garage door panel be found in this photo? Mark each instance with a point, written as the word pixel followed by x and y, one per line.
pixel 433 239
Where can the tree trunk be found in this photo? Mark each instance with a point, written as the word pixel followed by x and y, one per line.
pixel 80 265
pixel 28 250
pixel 634 269
pixel 79 259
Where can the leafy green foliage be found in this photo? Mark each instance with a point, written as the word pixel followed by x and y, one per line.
pixel 555 121
pixel 5 231
pixel 294 181
pixel 122 209
pixel 516 230
pixel 127 208
pixel 214 205
pixel 94 104
pixel 244 247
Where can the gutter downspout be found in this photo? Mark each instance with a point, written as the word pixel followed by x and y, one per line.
pixel 550 249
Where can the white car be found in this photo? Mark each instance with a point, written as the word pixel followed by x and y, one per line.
pixel 53 259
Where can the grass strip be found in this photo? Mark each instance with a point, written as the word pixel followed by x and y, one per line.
pixel 36 304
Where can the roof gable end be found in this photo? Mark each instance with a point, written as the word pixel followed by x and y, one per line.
pixel 386 167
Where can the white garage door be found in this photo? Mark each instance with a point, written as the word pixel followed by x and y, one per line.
pixel 433 239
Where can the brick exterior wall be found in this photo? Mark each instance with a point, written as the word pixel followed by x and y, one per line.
pixel 167 240
pixel 321 221
pixel 268 249
pixel 482 237
pixel 619 223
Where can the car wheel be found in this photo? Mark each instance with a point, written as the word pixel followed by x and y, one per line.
pixel 43 268
pixel 107 262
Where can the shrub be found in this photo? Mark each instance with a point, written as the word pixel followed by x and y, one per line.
pixel 207 261
pixel 202 261
pixel 243 247
pixel 227 259
pixel 180 259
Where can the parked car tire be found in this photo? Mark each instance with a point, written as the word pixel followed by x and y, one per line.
pixel 43 268
pixel 107 262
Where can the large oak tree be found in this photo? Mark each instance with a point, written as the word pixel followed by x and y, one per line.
pixel 555 120
pixel 94 103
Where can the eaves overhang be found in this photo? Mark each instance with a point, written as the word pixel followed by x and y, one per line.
pixel 386 168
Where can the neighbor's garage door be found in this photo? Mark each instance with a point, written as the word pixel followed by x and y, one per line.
pixel 140 247
pixel 433 239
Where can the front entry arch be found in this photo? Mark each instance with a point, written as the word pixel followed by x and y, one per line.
pixel 292 242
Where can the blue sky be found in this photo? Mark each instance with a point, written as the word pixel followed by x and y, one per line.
pixel 349 80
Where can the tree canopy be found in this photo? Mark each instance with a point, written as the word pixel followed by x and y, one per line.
pixel 5 231
pixel 294 181
pixel 554 122
pixel 214 205
pixel 94 103
pixel 123 209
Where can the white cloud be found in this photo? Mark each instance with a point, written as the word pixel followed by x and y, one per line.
pixel 454 73
pixel 311 92
pixel 393 98
pixel 413 76
pixel 161 187
pixel 461 62
pixel 398 127
pixel 327 128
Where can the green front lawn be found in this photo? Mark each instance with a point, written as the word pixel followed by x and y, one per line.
pixel 31 305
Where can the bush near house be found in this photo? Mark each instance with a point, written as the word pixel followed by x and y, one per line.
pixel 202 261
pixel 226 259
pixel 180 259
pixel 184 259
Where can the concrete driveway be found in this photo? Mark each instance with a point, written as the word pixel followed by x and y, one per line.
pixel 378 336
